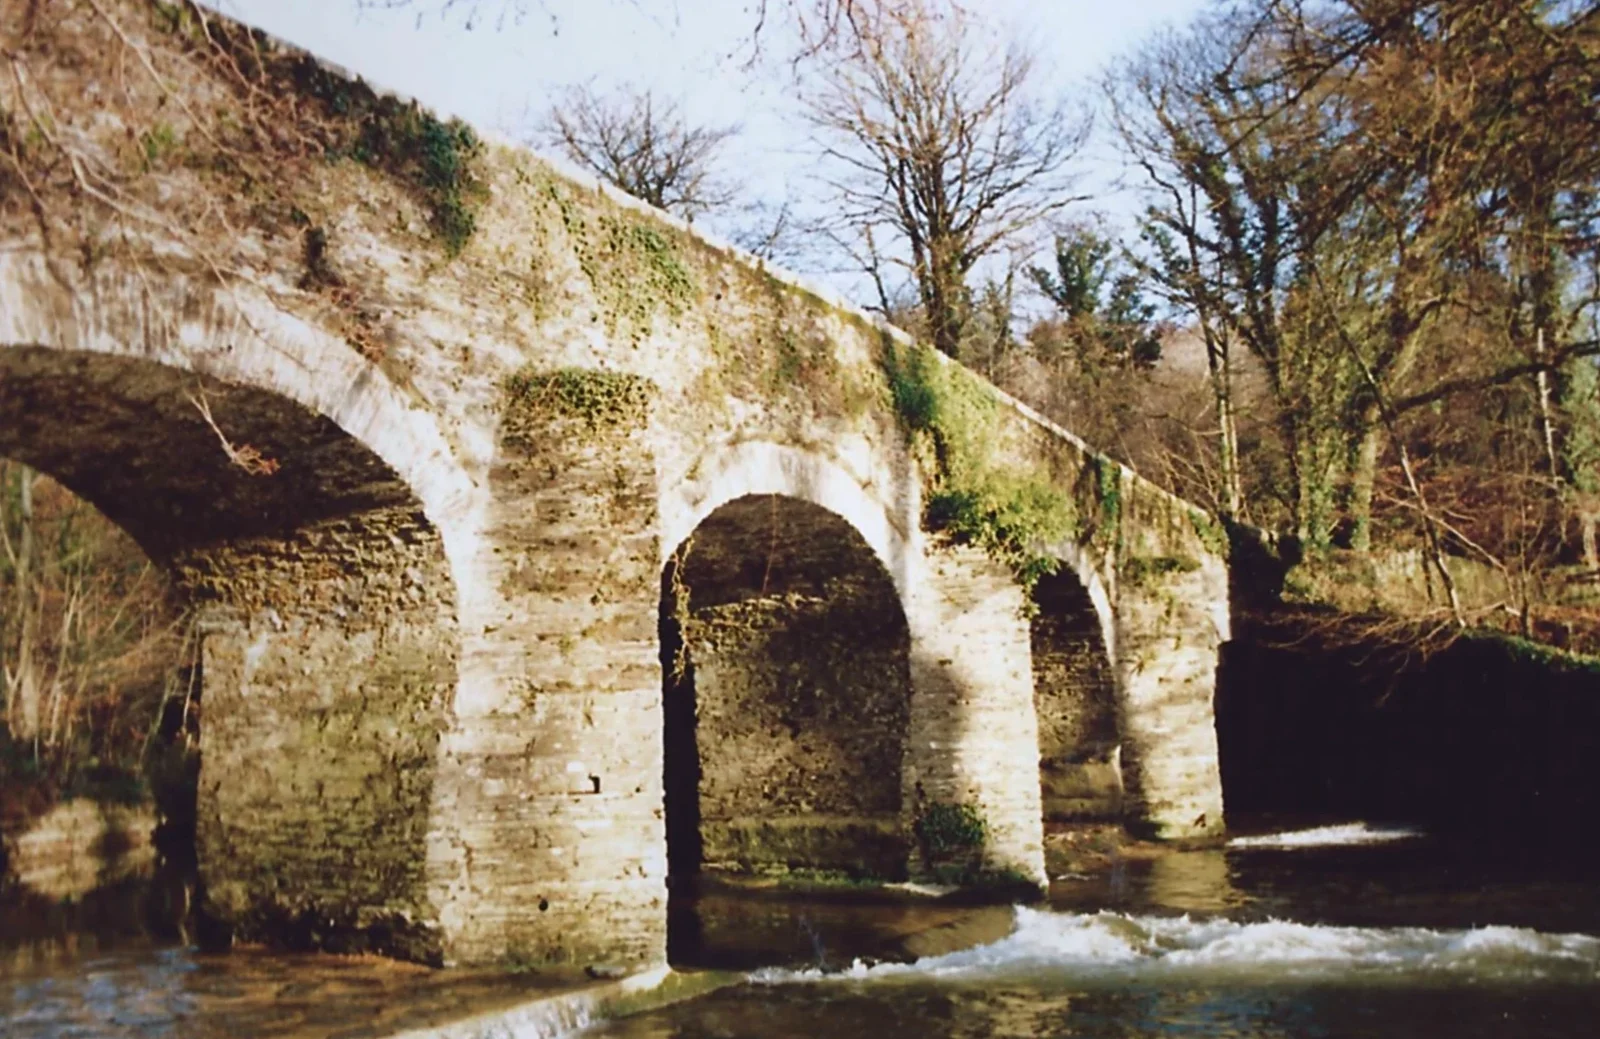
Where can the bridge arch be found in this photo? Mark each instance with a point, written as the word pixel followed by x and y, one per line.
pixel 191 325
pixel 786 682
pixel 761 467
pixel 1072 637
pixel 310 517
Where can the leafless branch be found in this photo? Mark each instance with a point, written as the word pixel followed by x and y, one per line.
pixel 934 140
pixel 642 144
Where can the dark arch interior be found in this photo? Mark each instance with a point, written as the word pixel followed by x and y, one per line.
pixel 1075 697
pixel 329 642
pixel 785 657
pixel 124 434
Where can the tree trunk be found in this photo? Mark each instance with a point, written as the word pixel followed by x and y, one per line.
pixel 23 692
pixel 1363 476
pixel 1228 431
pixel 1315 470
pixel 1547 425
pixel 945 297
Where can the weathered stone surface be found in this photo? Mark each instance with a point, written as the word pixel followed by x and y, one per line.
pixel 1080 738
pixel 794 659
pixel 974 735
pixel 433 692
pixel 328 663
pixel 548 839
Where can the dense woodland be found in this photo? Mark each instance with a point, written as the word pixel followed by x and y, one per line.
pixel 1360 309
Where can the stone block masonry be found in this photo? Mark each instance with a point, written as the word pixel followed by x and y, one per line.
pixel 328 664
pixel 549 838
pixel 434 706
pixel 1080 738
pixel 796 666
pixel 974 736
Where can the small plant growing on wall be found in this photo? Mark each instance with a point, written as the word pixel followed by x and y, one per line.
pixel 977 496
pixel 951 837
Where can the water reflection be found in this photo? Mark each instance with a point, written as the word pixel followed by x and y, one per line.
pixel 145 907
pixel 1019 1012
pixel 118 962
pixel 1190 948
pixel 1193 882
pixel 927 1009
pixel 1183 881
pixel 176 992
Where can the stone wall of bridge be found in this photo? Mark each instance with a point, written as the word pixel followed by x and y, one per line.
pixel 1080 737
pixel 434 690
pixel 794 656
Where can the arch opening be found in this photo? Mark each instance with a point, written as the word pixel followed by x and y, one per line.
pixel 1080 732
pixel 95 661
pixel 787 688
pixel 326 613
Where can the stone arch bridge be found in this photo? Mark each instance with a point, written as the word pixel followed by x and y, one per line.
pixel 594 502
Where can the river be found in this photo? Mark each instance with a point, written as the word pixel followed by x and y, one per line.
pixel 1347 931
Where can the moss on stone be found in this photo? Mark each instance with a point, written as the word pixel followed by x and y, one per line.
pixel 1524 650
pixel 604 401
pixel 634 264
pixel 952 839
pixel 432 158
pixel 950 829
pixel 976 496
pixel 436 160
pixel 1211 532
pixel 1136 570
pixel 808 848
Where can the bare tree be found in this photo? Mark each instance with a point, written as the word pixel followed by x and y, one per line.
pixel 772 231
pixel 641 144
pixel 938 154
pixel 88 630
pixel 823 22
pixel 473 13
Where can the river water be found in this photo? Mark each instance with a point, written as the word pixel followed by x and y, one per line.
pixel 1354 931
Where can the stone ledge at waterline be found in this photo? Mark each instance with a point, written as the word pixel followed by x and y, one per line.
pixel 580 1003
pixel 77 846
pixel 498 402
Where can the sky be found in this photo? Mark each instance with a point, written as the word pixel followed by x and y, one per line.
pixel 503 77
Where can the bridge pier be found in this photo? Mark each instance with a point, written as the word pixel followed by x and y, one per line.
pixel 548 842
pixel 1168 637
pixel 974 734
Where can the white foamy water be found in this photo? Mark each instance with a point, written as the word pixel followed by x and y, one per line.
pixel 1346 834
pixel 1115 947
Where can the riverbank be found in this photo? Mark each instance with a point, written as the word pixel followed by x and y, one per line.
pixel 1316 718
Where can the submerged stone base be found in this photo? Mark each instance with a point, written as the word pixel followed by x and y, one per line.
pixel 860 846
pixel 80 845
